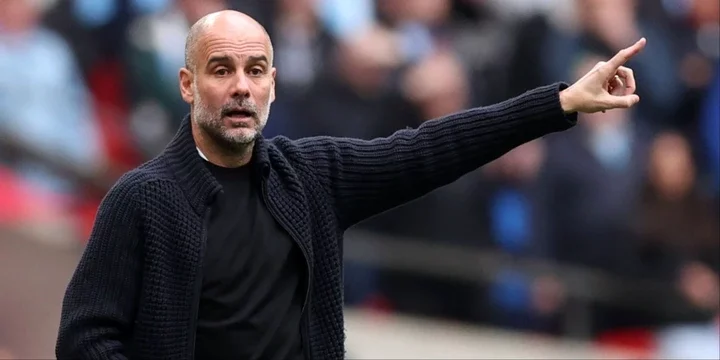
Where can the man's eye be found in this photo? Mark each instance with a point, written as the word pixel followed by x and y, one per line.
pixel 221 72
pixel 256 71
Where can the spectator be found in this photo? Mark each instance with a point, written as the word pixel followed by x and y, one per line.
pixel 302 45
pixel 356 97
pixel 677 227
pixel 43 101
pixel 521 301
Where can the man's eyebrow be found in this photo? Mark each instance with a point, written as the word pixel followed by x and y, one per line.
pixel 220 59
pixel 257 58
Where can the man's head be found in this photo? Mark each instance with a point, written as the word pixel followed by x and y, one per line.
pixel 228 79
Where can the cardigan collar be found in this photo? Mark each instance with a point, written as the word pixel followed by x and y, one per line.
pixel 190 171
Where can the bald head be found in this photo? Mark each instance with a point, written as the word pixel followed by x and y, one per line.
pixel 229 82
pixel 219 22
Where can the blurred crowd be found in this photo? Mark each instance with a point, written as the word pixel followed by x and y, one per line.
pixel 88 90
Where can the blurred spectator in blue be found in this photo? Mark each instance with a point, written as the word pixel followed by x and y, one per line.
pixel 519 300
pixel 95 13
pixel 419 25
pixel 105 22
pixel 344 18
pixel 43 100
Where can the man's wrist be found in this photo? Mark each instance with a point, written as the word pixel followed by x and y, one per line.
pixel 566 102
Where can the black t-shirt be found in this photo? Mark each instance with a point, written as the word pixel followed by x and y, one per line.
pixel 253 278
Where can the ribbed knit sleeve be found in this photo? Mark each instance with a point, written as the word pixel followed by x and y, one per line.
pixel 364 178
pixel 99 303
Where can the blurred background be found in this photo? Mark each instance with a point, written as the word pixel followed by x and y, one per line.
pixel 599 242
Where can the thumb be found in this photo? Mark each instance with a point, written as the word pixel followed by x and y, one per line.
pixel 623 102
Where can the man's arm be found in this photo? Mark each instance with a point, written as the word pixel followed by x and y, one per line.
pixel 365 178
pixel 99 303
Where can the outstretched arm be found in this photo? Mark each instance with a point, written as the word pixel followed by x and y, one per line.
pixel 364 178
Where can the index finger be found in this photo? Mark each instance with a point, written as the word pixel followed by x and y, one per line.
pixel 625 54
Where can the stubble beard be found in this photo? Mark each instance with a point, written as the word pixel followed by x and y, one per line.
pixel 228 141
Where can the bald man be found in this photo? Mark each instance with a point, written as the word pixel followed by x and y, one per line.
pixel 229 246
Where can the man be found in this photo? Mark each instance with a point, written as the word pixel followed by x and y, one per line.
pixel 228 245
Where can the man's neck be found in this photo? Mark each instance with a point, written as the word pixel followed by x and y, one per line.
pixel 220 157
pixel 226 160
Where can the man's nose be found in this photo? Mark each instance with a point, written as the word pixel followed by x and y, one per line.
pixel 241 86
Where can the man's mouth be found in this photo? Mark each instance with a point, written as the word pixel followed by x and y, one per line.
pixel 239 113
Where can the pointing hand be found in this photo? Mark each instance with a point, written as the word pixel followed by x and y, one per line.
pixel 609 85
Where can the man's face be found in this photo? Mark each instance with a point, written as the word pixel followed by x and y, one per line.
pixel 232 84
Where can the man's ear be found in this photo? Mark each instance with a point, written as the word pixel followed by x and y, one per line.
pixel 272 87
pixel 186 81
